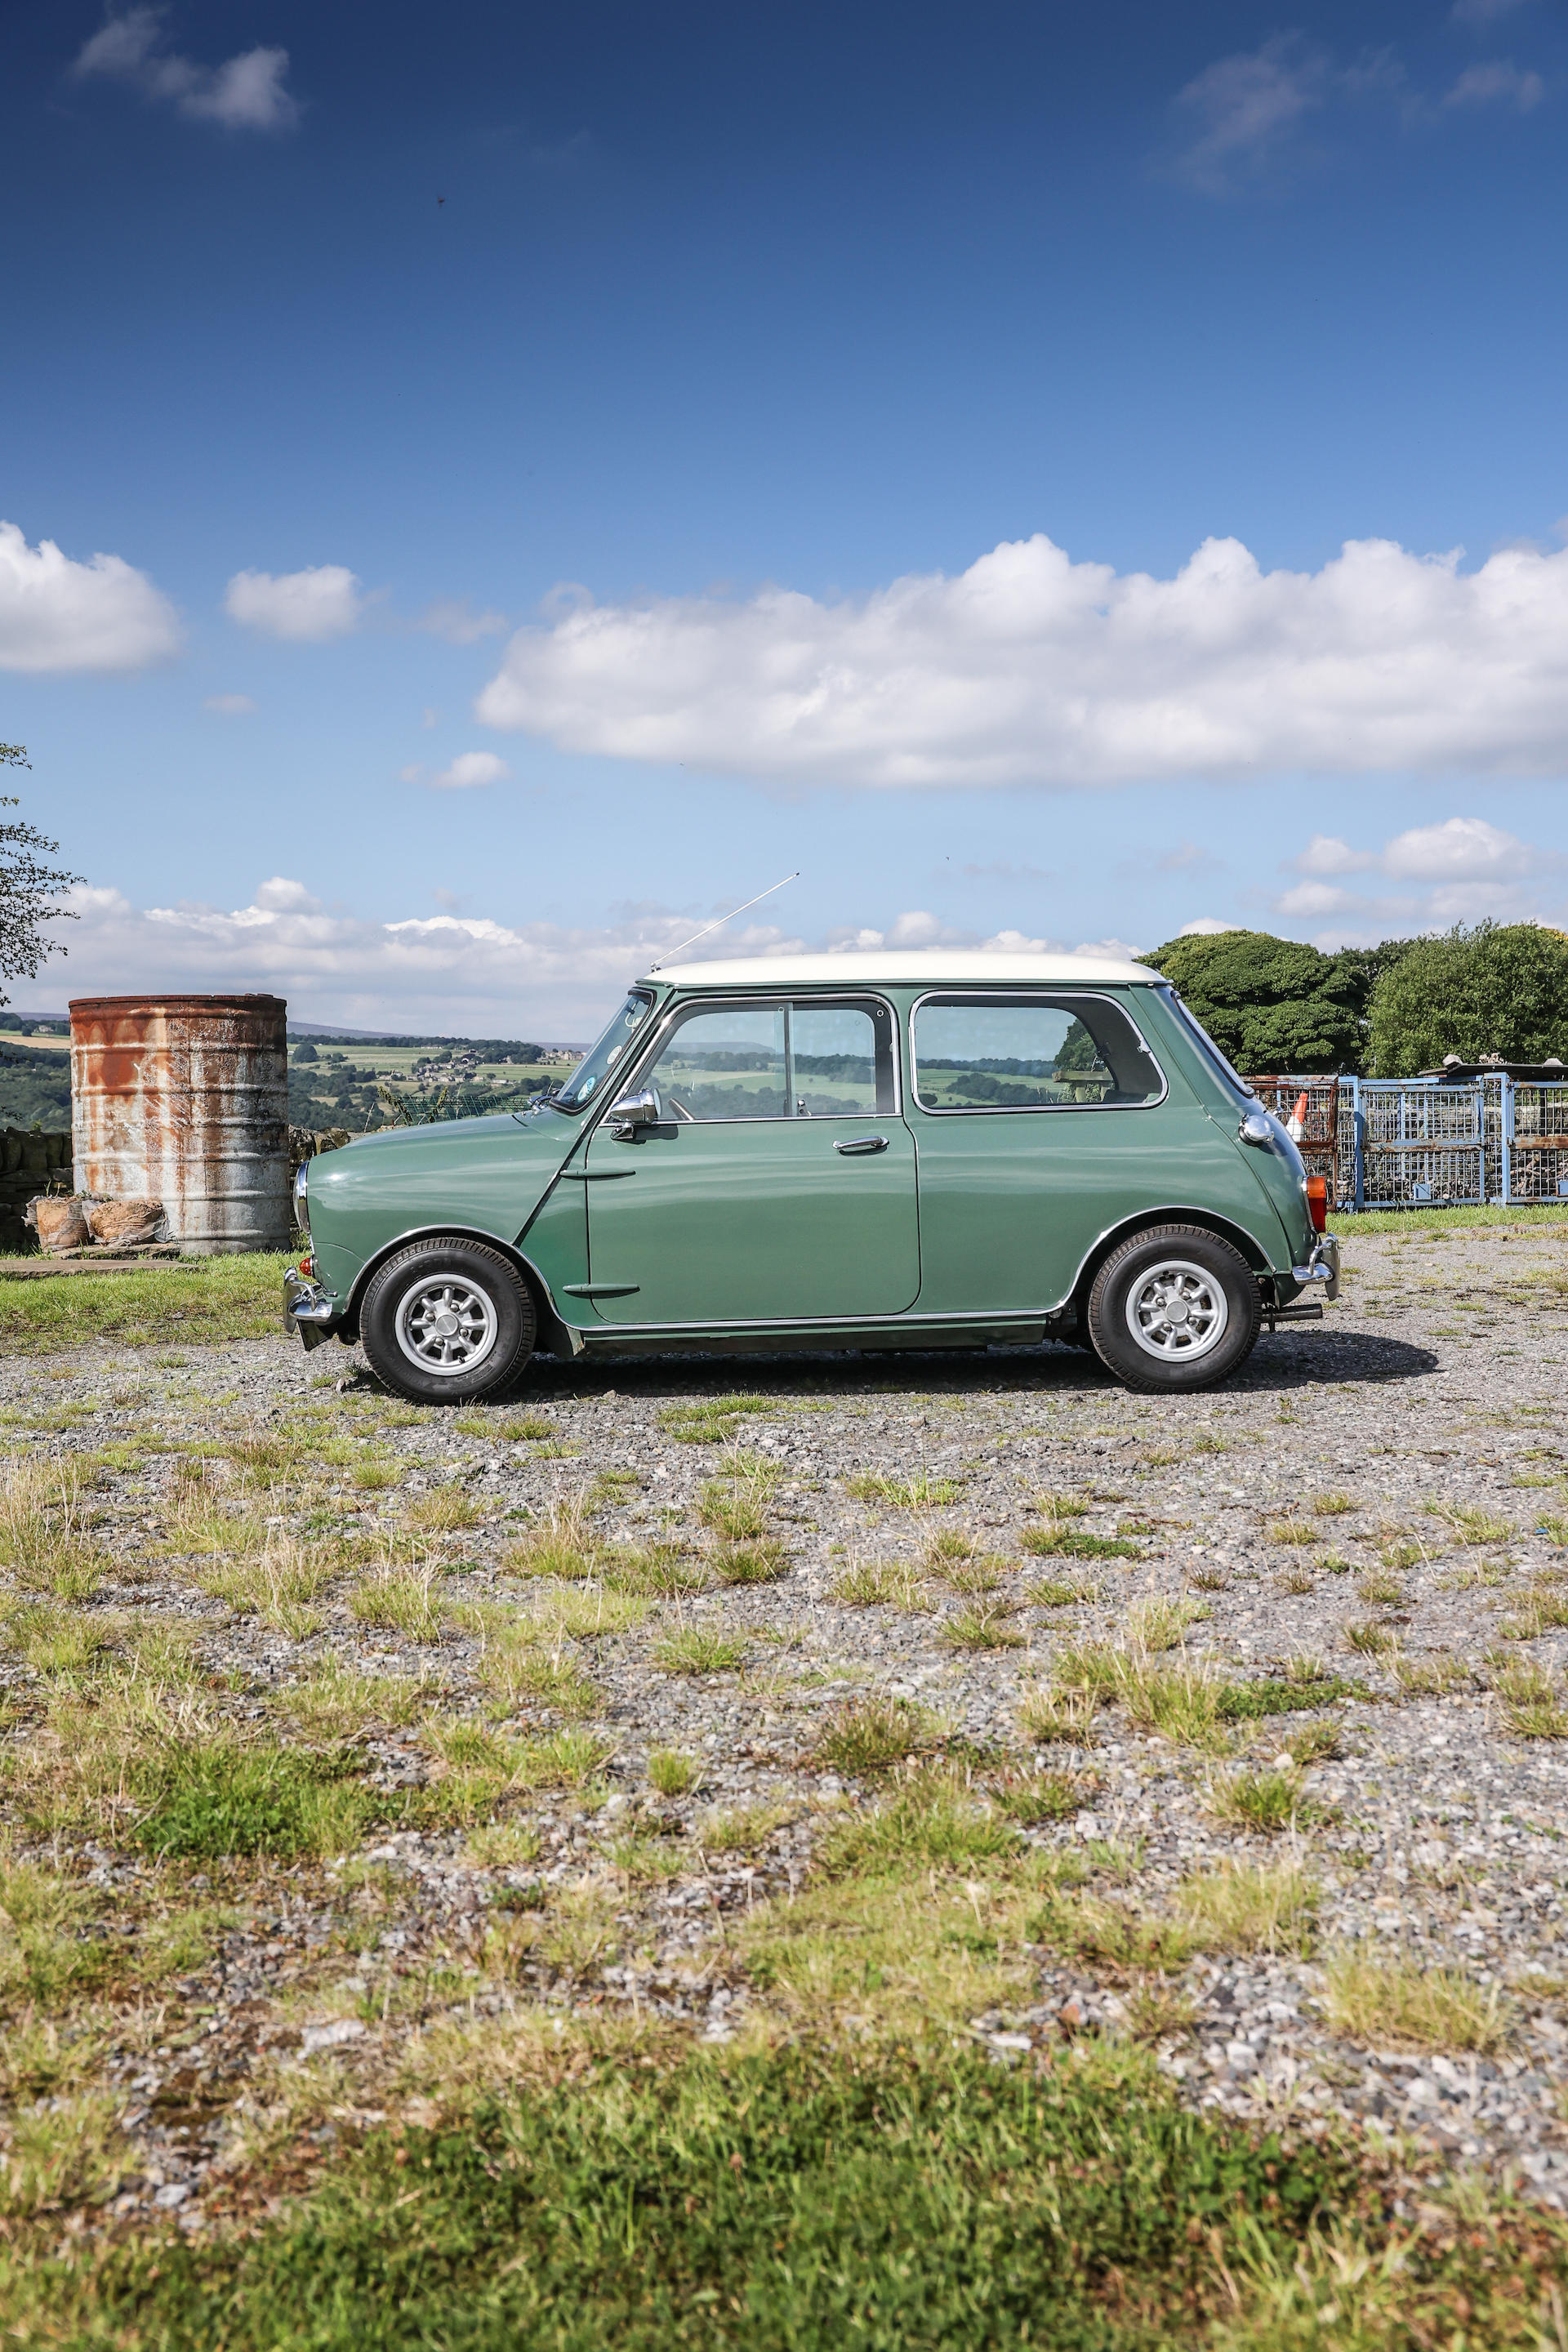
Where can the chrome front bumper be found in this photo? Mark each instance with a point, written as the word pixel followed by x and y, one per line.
pixel 1322 1266
pixel 307 1308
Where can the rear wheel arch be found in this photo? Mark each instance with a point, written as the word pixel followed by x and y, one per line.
pixel 1147 1220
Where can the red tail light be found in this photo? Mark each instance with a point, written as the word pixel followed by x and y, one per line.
pixel 1317 1202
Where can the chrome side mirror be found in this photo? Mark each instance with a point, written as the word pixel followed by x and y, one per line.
pixel 633 1112
pixel 1256 1126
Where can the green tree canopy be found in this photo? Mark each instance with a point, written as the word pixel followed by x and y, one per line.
pixel 27 887
pixel 1271 1004
pixel 1500 988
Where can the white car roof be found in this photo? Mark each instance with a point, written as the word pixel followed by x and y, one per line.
pixel 927 966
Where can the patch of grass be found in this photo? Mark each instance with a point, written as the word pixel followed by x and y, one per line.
pixel 1297 1580
pixel 1158 1625
pixel 1055 1592
pixel 920 1493
pixel 869 1735
pixel 1051 1716
pixel 1269 1800
pixel 1246 1702
pixel 400 1599
pixel 212 1799
pixel 1030 1798
pixel 1251 1907
pixel 1059 1506
pixel 1399 1556
pixel 587 1616
pixel 550 1679
pixel 1110 1937
pixel 1428 1677
pixel 984 1625
pixel 567 1759
pixel 713 1421
pixel 985 1573
pixel 696 1651
pixel 1379 1590
pixel 1293 1531
pixel 1052 1539
pixel 564 1546
pixel 1313 1743
pixel 1554 1530
pixel 278 1584
pixel 1532 1705
pixel 1382 1996
pixel 442 1511
pixel 209 1300
pixel 1332 1505
pixel 503 1845
pixel 1371 1641
pixel 609 1487
pixel 947 1544
pixel 672 1772
pixel 45 1539
pixel 334 1701
pixel 874 1584
pixel 762 1562
pixel 1471 1523
pixel 744 1829
pixel 929 1820
pixel 664 1572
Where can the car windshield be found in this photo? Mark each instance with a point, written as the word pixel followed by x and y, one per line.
pixel 605 1058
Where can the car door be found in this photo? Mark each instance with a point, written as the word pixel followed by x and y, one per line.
pixel 777 1185
pixel 1040 1118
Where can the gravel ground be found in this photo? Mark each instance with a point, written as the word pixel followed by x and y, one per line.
pixel 1434 1390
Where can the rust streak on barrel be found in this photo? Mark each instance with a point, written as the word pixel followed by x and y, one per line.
pixel 185 1099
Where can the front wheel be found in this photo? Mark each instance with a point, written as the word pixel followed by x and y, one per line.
pixel 1174 1310
pixel 445 1321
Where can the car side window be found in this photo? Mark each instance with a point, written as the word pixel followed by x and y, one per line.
pixel 841 1056
pixel 727 1062
pixel 1028 1052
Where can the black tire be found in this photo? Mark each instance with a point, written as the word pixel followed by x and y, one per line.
pixel 1211 1327
pixel 486 1344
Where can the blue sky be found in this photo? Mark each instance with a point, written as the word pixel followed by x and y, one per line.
pixel 789 444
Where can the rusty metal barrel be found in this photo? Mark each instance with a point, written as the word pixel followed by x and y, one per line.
pixel 184 1100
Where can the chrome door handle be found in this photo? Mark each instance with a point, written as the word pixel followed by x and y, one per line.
pixel 862 1143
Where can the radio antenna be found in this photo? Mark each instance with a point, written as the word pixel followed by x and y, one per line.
pixel 730 917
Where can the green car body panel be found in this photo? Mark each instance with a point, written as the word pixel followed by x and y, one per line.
pixel 913 1220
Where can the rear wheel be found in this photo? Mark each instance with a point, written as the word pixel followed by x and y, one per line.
pixel 1174 1310
pixel 445 1321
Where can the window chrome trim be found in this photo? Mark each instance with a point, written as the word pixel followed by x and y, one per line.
pixel 773 999
pixel 1005 996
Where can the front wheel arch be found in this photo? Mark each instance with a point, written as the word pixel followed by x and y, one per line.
pixel 549 1326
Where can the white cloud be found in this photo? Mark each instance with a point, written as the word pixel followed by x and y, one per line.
pixel 244 93
pixel 1482 12
pixel 1205 926
pixel 57 615
pixel 472 768
pixel 450 972
pixel 453 619
pixel 1029 667
pixel 308 607
pixel 1241 107
pixel 1498 83
pixel 230 706
pixel 1464 869
pixel 1325 854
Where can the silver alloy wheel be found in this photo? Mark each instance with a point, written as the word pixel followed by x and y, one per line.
pixel 446 1325
pixel 1177 1311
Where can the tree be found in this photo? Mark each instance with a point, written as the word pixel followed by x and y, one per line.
pixel 1500 988
pixel 306 1053
pixel 1270 1005
pixel 26 888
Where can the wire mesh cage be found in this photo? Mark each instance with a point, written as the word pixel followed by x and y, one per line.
pixel 1413 1143
pixel 1309 1108
pixel 1538 1144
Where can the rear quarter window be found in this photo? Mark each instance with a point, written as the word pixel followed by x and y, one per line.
pixel 1029 1051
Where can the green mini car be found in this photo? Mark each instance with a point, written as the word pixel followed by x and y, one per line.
pixel 833 1151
